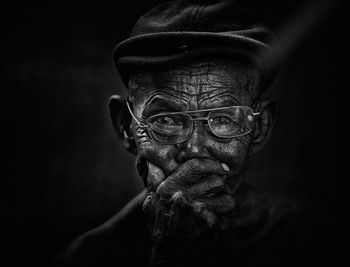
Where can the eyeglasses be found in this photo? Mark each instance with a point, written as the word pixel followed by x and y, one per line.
pixel 176 127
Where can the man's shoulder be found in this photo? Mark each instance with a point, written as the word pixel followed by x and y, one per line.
pixel 279 200
pixel 277 205
pixel 117 240
pixel 282 221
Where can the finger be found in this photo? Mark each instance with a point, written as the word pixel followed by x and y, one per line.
pixel 177 211
pixel 155 176
pixel 221 204
pixel 209 186
pixel 200 166
pixel 201 211
pixel 182 211
pixel 190 172
pixel 147 203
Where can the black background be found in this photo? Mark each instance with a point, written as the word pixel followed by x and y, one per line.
pixel 64 170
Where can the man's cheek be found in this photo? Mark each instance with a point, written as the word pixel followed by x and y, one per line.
pixel 234 154
pixel 160 155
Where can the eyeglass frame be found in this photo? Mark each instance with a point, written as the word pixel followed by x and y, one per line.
pixel 139 122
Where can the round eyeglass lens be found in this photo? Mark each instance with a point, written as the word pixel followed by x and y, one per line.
pixel 231 122
pixel 170 128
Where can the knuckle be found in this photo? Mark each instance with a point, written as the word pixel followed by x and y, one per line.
pixel 165 190
pixel 197 206
pixel 218 182
pixel 160 188
pixel 209 217
pixel 176 196
pixel 193 164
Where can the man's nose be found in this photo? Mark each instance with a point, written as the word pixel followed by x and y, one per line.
pixel 197 144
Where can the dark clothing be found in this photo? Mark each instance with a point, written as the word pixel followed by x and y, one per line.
pixel 270 227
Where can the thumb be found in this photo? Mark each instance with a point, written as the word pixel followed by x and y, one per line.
pixel 155 176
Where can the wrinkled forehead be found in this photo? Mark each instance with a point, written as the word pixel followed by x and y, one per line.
pixel 197 78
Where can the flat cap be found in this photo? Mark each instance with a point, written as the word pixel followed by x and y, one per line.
pixel 190 29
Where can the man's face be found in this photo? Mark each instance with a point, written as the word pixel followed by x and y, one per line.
pixel 196 86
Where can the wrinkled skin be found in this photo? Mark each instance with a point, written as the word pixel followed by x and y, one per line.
pixel 191 186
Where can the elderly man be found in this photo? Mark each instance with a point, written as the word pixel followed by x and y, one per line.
pixel 195 72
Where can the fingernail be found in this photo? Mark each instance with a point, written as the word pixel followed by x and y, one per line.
pixel 225 167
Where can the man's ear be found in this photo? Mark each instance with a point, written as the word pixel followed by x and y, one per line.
pixel 121 120
pixel 263 125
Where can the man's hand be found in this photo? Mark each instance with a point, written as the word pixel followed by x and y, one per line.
pixel 185 205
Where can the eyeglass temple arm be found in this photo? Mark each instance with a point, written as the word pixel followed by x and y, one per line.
pixel 132 114
pixel 256 113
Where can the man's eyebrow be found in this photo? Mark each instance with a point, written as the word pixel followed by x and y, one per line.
pixel 209 96
pixel 157 103
pixel 171 91
pixel 168 92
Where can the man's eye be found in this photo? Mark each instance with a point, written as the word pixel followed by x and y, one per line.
pixel 223 120
pixel 165 121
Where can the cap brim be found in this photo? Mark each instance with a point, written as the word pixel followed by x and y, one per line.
pixel 255 46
